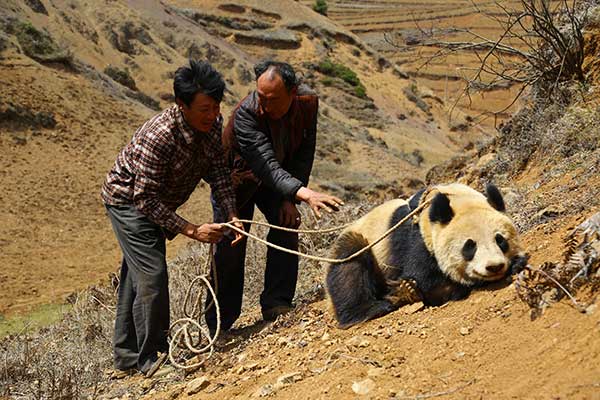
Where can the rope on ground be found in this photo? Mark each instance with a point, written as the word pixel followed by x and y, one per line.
pixel 181 330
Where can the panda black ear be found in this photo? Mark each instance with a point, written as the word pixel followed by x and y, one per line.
pixel 494 197
pixel 440 210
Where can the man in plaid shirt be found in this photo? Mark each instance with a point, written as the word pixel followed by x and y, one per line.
pixel 154 174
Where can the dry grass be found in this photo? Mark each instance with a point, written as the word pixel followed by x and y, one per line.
pixel 69 359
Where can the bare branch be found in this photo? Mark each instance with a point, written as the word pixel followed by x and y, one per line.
pixel 540 42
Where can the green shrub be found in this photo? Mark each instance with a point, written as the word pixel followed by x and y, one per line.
pixel 336 70
pixel 360 91
pixel 121 76
pixel 40 46
pixel 320 6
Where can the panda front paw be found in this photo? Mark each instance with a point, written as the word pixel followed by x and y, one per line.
pixel 402 292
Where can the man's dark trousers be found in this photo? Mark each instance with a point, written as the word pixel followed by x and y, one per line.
pixel 142 320
pixel 281 271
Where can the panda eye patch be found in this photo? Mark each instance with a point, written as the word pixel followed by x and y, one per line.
pixel 469 249
pixel 502 243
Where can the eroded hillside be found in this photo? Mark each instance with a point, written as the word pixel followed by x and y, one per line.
pixel 78 77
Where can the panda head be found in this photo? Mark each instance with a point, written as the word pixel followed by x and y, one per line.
pixel 469 234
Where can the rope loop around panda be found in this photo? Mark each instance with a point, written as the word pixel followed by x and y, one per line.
pixel 231 226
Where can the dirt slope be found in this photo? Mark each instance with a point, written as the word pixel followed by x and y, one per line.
pixel 483 347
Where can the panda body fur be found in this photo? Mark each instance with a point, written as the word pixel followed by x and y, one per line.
pixel 404 268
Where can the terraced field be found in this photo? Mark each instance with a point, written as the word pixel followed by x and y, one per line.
pixel 410 22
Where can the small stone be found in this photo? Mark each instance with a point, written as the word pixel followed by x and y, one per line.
pixel 247 367
pixel 590 309
pixel 373 372
pixel 465 330
pixel 288 379
pixel 325 337
pixel 363 387
pixel 364 343
pixel 197 385
pixel 413 308
pixel 264 391
pixel 354 341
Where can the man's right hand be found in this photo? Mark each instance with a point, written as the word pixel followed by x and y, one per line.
pixel 207 233
pixel 319 201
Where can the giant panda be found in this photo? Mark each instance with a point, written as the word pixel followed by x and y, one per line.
pixel 460 240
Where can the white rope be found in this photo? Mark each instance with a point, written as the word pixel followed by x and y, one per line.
pixel 182 334
pixel 230 225
pixel 192 319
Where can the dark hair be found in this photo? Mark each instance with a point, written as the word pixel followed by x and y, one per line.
pixel 199 77
pixel 284 70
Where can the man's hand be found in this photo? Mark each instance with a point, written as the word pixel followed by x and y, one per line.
pixel 207 233
pixel 319 201
pixel 238 236
pixel 289 216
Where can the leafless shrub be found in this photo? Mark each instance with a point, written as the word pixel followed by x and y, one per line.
pixel 65 360
pixel 579 268
pixel 541 42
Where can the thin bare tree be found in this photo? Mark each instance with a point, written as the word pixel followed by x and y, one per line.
pixel 540 42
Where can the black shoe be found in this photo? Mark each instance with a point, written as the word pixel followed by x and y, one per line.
pixel 271 314
pixel 162 357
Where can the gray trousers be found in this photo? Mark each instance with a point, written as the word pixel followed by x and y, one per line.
pixel 142 320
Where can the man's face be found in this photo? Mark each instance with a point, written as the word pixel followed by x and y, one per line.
pixel 202 113
pixel 274 98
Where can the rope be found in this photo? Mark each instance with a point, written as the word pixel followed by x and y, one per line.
pixel 283 228
pixel 182 337
pixel 192 320
pixel 324 259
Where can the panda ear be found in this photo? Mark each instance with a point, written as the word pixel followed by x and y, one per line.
pixel 494 197
pixel 440 210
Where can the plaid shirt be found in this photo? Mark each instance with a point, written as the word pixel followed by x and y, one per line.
pixel 162 165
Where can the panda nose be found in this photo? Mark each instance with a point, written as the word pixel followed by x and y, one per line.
pixel 494 268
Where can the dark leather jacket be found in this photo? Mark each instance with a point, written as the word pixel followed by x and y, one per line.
pixel 278 154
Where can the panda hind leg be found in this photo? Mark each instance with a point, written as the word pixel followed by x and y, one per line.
pixel 356 290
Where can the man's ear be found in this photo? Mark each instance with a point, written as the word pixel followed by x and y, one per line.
pixel 180 103
pixel 440 210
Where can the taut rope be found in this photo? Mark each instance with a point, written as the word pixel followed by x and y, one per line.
pixel 182 337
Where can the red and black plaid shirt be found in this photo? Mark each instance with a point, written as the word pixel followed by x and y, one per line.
pixel 162 165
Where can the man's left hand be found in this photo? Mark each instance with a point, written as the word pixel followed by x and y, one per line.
pixel 289 216
pixel 238 236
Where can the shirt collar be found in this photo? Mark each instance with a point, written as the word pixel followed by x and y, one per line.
pixel 186 130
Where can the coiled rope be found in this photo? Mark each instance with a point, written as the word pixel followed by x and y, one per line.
pixel 181 330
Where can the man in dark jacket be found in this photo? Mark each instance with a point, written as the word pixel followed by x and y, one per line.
pixel 270 141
